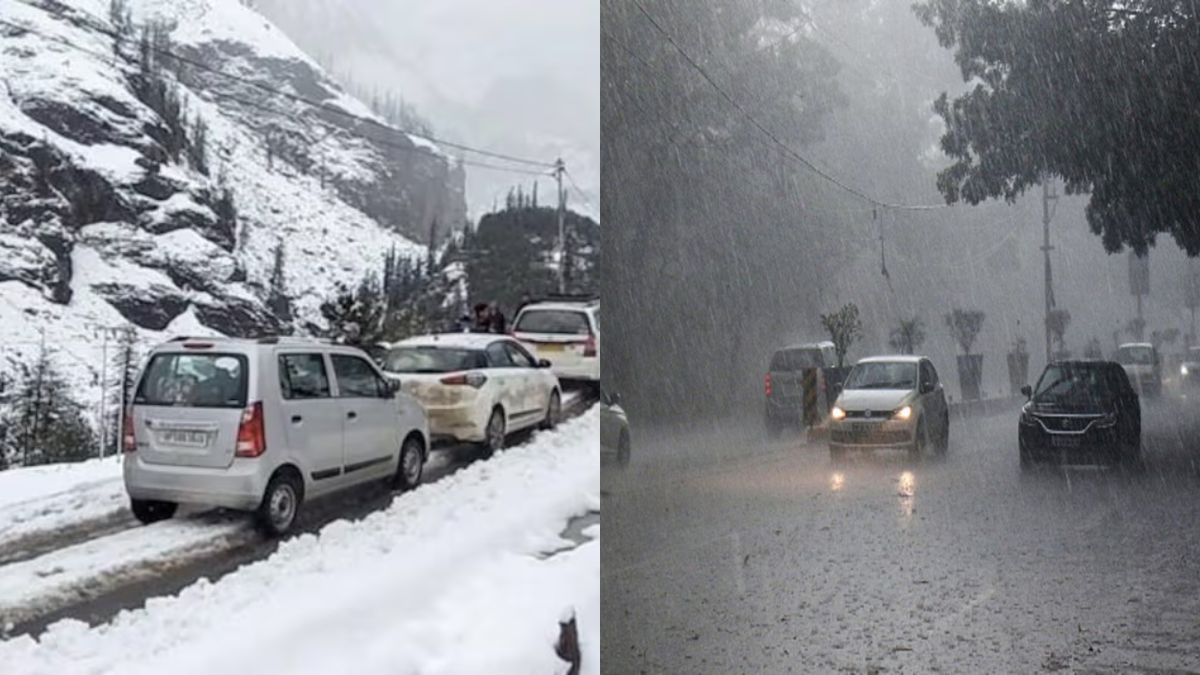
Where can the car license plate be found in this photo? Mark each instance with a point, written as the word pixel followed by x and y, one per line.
pixel 553 347
pixel 862 428
pixel 1064 441
pixel 191 439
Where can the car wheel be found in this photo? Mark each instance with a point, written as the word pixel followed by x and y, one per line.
pixel 495 433
pixel 411 465
pixel 624 449
pixel 921 440
pixel 151 510
pixel 553 412
pixel 280 504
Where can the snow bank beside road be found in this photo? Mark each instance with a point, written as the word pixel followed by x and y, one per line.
pixel 390 593
pixel 46 498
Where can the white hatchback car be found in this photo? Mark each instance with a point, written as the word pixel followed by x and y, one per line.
pixel 264 425
pixel 476 387
pixel 564 332
pixel 890 402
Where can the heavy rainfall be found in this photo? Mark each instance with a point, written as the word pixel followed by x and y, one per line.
pixel 1010 190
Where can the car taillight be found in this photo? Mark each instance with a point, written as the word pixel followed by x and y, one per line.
pixel 128 438
pixel 589 347
pixel 767 384
pixel 252 435
pixel 476 380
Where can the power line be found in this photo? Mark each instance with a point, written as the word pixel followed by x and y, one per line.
pixel 97 25
pixel 266 108
pixel 578 191
pixel 775 139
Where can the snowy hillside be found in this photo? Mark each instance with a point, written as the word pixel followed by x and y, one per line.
pixel 106 218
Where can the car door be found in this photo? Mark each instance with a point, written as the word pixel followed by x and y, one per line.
pixel 536 383
pixel 503 371
pixel 934 401
pixel 311 417
pixel 371 431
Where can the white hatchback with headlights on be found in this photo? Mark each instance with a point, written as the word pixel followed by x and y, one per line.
pixel 890 402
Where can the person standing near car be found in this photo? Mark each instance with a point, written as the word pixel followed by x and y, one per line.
pixel 496 319
pixel 482 318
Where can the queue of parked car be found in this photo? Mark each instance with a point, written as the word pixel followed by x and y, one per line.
pixel 266 425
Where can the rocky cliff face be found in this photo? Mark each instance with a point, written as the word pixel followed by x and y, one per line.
pixel 137 187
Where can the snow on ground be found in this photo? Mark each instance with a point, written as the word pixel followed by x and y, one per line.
pixel 45 499
pixel 426 585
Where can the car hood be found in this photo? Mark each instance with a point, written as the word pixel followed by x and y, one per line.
pixel 1067 408
pixel 873 399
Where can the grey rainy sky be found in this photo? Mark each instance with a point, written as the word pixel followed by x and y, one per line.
pixel 518 76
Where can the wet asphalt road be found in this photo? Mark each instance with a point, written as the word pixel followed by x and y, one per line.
pixel 725 553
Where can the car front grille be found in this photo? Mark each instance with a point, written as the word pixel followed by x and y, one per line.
pixel 1061 424
pixel 890 437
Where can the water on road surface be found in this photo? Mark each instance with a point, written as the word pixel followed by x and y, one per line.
pixel 726 553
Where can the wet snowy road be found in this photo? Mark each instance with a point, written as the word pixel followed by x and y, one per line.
pixel 726 554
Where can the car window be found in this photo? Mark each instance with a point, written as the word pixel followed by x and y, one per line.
pixel 194 381
pixel 1067 384
pixel 356 378
pixel 519 356
pixel 303 376
pixel 933 375
pixel 432 360
pixel 791 360
pixel 1135 356
pixel 926 377
pixel 596 320
pixel 553 321
pixel 883 375
pixel 499 357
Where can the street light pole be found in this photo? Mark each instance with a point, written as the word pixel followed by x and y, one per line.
pixel 559 168
pixel 1047 197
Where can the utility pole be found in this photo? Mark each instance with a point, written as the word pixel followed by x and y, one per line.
pixel 559 169
pixel 1048 196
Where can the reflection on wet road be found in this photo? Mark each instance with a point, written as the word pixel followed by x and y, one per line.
pixel 727 553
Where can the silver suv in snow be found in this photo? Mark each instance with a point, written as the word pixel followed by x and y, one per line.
pixel 264 425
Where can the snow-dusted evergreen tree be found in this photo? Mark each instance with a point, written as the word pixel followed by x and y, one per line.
pixel 277 297
pixel 123 366
pixel 43 423
pixel 355 316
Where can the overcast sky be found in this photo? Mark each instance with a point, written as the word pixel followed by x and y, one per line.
pixel 517 76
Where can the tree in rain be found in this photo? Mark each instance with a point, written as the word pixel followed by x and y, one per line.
pixel 845 328
pixel 1057 321
pixel 1102 94
pixel 908 337
pixel 1136 328
pixel 964 327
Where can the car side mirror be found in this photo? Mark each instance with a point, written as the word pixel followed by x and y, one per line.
pixel 543 363
pixel 1027 391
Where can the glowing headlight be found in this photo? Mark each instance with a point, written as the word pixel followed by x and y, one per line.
pixel 837 414
pixel 1027 417
pixel 1183 370
pixel 904 413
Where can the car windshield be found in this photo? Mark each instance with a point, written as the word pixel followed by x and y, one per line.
pixel 432 360
pixel 553 321
pixel 786 360
pixel 1073 385
pixel 194 380
pixel 883 375
pixel 1135 356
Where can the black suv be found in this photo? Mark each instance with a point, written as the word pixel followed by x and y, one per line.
pixel 1081 409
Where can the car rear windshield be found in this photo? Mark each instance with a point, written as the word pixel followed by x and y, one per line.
pixel 194 381
pixel 787 360
pixel 553 321
pixel 1135 356
pixel 883 375
pixel 1075 385
pixel 432 360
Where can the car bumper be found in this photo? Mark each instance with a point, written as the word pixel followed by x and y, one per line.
pixel 463 424
pixel 238 486
pixel 1038 444
pixel 587 370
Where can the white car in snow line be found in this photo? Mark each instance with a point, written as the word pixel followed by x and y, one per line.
pixel 566 333
pixel 476 387
pixel 264 425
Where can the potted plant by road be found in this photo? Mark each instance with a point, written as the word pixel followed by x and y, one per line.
pixel 908 337
pixel 845 328
pixel 964 328
pixel 1018 367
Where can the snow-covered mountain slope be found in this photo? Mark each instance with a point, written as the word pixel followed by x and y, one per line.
pixel 105 220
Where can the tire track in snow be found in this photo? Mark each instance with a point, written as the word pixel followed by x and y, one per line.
pixel 97 578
